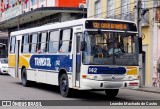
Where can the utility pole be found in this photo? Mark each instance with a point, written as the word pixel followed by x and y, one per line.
pixel 139 17
pixel 139 8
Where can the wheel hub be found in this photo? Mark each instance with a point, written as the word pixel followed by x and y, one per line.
pixel 64 85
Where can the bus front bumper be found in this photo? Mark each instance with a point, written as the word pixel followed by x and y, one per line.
pixel 93 84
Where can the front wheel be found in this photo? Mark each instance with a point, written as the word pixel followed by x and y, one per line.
pixel 64 86
pixel 111 93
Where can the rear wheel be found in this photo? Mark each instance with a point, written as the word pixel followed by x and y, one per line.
pixel 25 82
pixel 64 86
pixel 111 93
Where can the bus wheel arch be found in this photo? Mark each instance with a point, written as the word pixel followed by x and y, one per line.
pixel 64 83
pixel 61 72
pixel 23 67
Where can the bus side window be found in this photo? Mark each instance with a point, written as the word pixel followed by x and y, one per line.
pixel 12 45
pixel 25 44
pixel 33 42
pixel 42 39
pixel 54 41
pixel 22 44
pixel 38 46
pixel 66 41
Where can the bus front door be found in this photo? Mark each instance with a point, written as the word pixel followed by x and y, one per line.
pixel 76 61
pixel 17 58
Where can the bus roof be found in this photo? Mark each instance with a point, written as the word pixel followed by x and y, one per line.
pixel 62 25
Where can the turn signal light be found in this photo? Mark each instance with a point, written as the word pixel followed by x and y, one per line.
pixel 84 76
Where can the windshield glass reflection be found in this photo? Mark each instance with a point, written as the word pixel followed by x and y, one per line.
pixel 110 48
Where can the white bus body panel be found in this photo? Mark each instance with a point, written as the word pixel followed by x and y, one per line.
pixel 52 78
pixel 11 71
pixel 31 74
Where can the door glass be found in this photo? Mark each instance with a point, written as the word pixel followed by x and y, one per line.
pixel 78 56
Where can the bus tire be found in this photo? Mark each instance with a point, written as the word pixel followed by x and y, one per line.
pixel 64 85
pixel 25 82
pixel 111 93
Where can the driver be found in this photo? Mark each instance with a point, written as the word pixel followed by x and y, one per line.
pixel 115 48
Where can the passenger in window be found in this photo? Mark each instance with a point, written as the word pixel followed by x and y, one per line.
pixel 98 51
pixel 38 51
pixel 43 47
pixel 116 49
pixel 105 51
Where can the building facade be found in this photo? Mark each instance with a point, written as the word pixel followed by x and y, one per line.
pixel 22 14
pixel 19 14
pixel 126 10
pixel 13 8
pixel 156 42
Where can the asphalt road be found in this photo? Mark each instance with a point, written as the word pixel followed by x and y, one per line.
pixel 11 89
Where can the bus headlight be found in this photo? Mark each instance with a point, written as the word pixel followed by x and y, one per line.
pixel 133 77
pixel 92 77
pixel 130 78
pixel 95 77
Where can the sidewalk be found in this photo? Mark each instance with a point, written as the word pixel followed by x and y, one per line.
pixel 149 89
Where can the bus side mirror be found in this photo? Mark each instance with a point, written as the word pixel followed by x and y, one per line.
pixel 140 44
pixel 83 45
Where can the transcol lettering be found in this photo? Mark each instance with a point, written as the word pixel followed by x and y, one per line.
pixel 43 62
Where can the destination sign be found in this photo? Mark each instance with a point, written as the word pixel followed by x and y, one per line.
pixel 110 25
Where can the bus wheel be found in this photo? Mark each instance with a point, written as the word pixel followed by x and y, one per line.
pixel 111 93
pixel 25 82
pixel 64 86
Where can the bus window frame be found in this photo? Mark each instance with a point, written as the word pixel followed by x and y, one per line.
pixel 39 43
pixel 70 41
pixel 25 44
pixel 49 35
pixel 30 43
pixel 10 48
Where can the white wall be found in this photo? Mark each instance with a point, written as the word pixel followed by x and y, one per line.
pixel 45 3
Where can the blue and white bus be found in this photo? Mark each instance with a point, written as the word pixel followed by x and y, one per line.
pixel 85 54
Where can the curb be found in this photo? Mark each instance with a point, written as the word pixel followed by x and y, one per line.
pixel 147 90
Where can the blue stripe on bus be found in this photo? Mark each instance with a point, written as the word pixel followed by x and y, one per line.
pixel 51 62
pixel 106 70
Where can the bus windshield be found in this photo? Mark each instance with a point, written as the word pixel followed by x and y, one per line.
pixel 3 50
pixel 110 48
